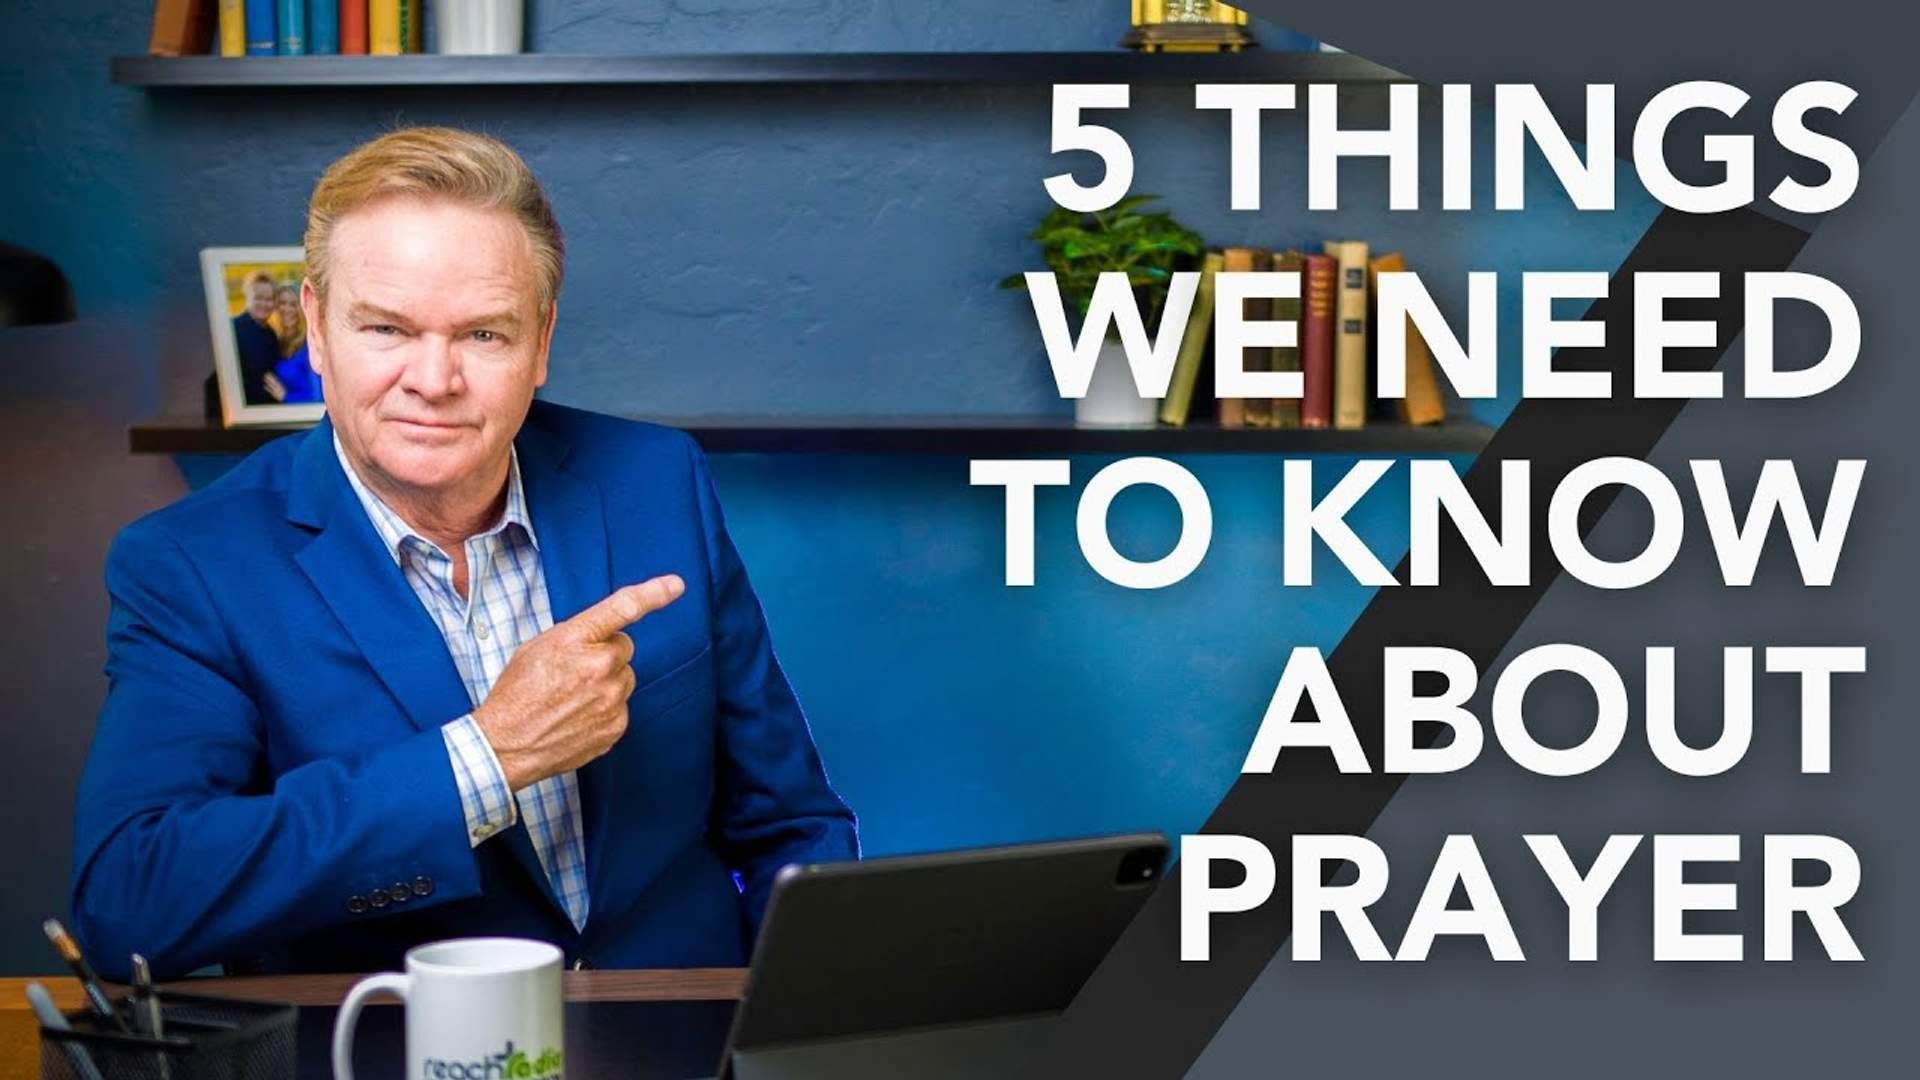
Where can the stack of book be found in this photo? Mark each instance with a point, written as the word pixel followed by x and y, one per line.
pixel 286 27
pixel 1331 351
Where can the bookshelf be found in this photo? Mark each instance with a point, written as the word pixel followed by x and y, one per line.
pixel 967 435
pixel 1254 65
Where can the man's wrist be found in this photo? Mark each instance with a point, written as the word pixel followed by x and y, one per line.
pixel 505 764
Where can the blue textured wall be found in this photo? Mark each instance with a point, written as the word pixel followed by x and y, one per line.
pixel 784 249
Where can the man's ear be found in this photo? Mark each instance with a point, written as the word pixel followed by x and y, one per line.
pixel 316 333
pixel 546 343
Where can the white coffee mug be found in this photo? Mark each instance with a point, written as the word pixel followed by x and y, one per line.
pixel 476 1007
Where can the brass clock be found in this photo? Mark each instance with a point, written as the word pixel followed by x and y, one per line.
pixel 1187 26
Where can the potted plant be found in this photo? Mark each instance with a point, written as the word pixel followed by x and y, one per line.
pixel 1148 248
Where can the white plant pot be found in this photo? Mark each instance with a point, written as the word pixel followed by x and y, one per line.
pixel 1112 400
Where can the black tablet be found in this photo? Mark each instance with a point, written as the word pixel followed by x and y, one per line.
pixel 853 955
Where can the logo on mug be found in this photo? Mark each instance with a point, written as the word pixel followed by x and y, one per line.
pixel 508 1064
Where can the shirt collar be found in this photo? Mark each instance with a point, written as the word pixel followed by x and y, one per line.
pixel 394 531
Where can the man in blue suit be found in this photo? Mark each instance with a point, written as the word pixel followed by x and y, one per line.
pixel 257 349
pixel 387 682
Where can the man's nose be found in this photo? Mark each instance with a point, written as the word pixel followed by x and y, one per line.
pixel 434 369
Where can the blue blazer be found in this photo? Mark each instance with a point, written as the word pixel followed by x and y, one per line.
pixel 268 787
pixel 258 351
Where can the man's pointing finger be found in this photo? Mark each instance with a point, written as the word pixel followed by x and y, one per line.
pixel 624 607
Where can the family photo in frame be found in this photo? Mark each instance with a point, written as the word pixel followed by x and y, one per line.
pixel 260 335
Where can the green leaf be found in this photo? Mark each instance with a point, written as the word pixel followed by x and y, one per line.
pixel 1144 244
pixel 1130 202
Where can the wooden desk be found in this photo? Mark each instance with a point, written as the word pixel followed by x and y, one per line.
pixel 639 1024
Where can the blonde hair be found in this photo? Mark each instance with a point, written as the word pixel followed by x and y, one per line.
pixel 436 163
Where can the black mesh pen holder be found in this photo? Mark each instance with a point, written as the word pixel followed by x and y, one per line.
pixel 207 1038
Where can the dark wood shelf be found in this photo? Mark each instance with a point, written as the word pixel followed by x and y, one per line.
pixel 1118 65
pixel 965 435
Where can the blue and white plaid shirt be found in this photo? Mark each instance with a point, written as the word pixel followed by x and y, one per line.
pixel 506 606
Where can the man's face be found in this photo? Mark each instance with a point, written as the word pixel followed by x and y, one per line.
pixel 431 345
pixel 260 300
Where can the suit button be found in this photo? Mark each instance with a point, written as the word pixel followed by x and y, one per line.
pixel 356 904
pixel 423 886
pixel 400 893
pixel 377 897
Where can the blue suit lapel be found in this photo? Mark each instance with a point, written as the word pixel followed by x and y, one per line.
pixel 569 522
pixel 366 591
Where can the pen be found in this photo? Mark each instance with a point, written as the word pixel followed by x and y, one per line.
pixel 146 1011
pixel 137 990
pixel 52 1019
pixel 89 982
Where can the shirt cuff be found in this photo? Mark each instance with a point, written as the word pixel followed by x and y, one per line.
pixel 484 795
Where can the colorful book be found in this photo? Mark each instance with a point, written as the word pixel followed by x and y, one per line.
pixel 323 27
pixel 413 21
pixel 262 38
pixel 181 28
pixel 290 28
pixel 353 27
pixel 1350 338
pixel 1318 293
pixel 233 27
pixel 1423 403
pixel 1178 404
pixel 383 28
pixel 1234 412
pixel 1285 412
pixel 1260 357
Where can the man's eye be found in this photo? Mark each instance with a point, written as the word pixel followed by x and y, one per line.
pixel 383 328
pixel 485 336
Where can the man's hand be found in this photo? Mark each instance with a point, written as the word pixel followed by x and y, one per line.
pixel 562 700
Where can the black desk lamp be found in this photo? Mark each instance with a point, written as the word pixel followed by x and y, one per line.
pixel 32 289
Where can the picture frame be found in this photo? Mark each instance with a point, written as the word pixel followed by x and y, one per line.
pixel 259 335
